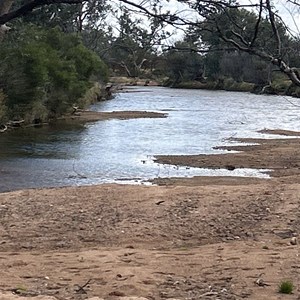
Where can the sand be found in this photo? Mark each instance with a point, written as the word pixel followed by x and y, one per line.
pixel 199 238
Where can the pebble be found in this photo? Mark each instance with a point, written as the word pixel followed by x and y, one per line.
pixel 293 241
pixel 284 234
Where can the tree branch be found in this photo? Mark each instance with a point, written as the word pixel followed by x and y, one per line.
pixel 274 27
pixel 257 24
pixel 30 6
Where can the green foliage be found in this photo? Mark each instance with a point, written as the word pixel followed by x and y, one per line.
pixel 134 49
pixel 286 287
pixel 212 63
pixel 44 72
pixel 69 18
pixel 234 23
pixel 231 85
pixel 239 26
pixel 3 108
pixel 183 64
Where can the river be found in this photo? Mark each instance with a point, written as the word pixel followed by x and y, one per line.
pixel 123 150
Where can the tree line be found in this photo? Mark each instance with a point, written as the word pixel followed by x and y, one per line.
pixel 53 51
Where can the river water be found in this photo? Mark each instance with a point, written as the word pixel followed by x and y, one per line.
pixel 123 150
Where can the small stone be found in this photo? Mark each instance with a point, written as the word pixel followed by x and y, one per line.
pixel 284 233
pixel 117 293
pixel 230 167
pixel 293 241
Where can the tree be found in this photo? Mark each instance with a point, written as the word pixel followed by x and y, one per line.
pixel 184 64
pixel 235 37
pixel 6 14
pixel 44 72
pixel 263 15
pixel 70 18
pixel 135 45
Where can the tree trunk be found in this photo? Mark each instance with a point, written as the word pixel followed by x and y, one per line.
pixel 5 6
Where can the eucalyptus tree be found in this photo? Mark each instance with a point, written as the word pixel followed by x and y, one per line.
pixel 203 12
pixel 136 43
pixel 208 15
pixel 51 13
pixel 183 63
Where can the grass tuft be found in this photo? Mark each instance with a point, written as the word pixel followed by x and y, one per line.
pixel 286 287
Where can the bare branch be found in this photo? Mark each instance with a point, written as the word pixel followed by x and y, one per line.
pixel 257 24
pixel 274 27
pixel 30 6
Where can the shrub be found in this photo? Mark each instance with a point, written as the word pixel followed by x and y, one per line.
pixel 286 287
pixel 44 72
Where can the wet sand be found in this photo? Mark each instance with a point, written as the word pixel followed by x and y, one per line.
pixel 93 116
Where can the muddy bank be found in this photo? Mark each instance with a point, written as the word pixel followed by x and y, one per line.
pixel 281 156
pixel 85 116
pixel 92 116
pixel 218 238
pixel 280 132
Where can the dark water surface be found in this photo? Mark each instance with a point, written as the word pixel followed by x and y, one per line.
pixel 122 150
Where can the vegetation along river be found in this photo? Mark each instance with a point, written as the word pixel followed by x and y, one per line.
pixel 123 150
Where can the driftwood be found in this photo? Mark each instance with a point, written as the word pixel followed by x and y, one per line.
pixel 15 123
pixel 11 124
pixel 80 288
pixel 3 128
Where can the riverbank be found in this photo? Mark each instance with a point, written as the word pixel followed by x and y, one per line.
pixel 215 240
pixel 93 116
pixel 85 116
pixel 279 157
pixel 281 87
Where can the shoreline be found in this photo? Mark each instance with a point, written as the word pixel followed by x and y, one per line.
pixel 281 156
pixel 202 238
pixel 93 116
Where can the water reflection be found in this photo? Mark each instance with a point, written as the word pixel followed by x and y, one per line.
pixel 59 141
pixel 118 150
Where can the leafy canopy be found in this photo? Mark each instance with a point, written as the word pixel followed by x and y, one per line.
pixel 46 68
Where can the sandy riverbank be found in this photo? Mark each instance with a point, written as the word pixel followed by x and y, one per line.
pixel 190 239
pixel 93 116
pixel 281 156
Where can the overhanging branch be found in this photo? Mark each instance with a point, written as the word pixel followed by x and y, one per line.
pixel 30 6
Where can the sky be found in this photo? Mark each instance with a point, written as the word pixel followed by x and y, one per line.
pixel 289 13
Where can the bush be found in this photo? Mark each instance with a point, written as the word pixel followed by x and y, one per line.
pixel 232 85
pixel 44 72
pixel 286 287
